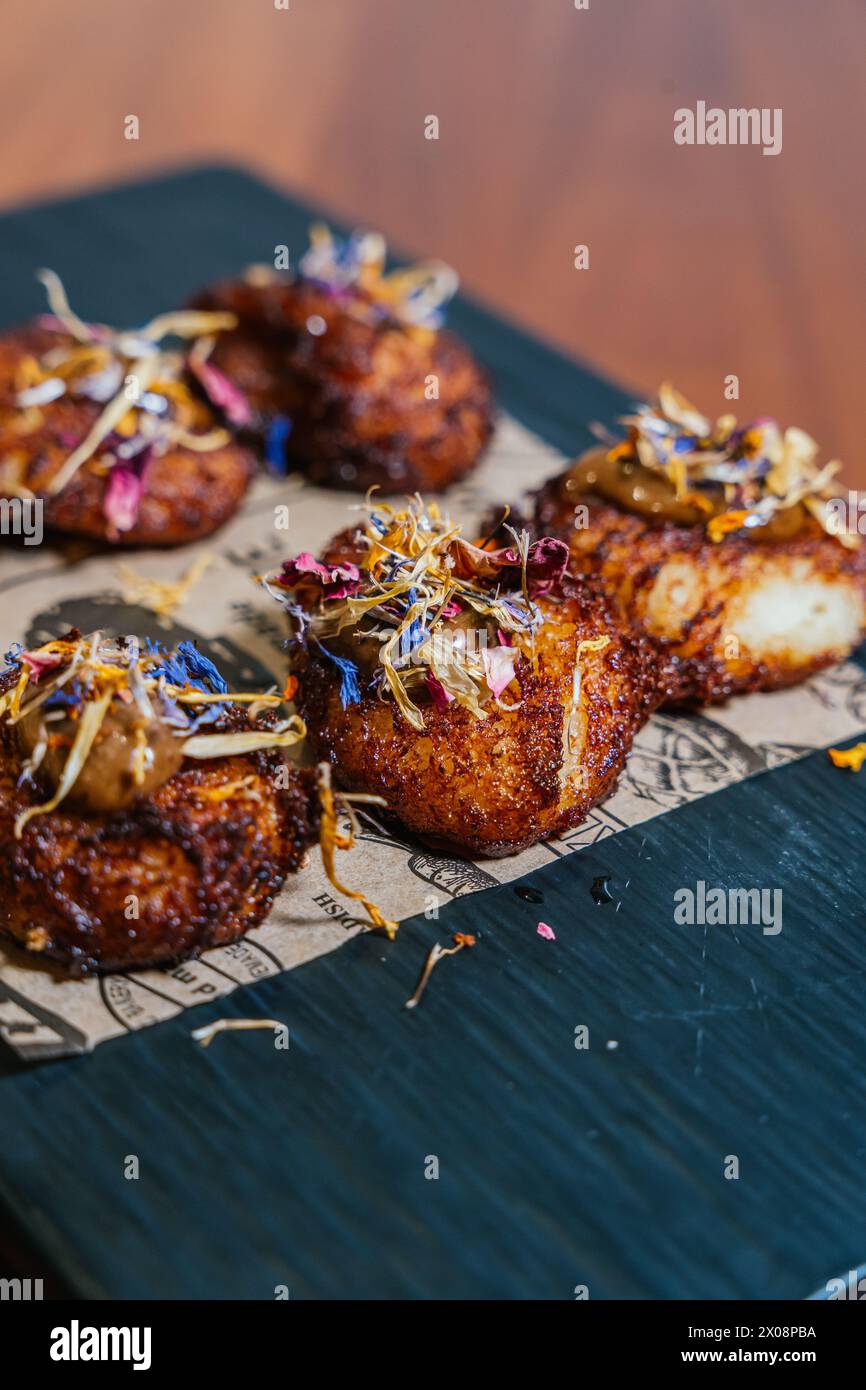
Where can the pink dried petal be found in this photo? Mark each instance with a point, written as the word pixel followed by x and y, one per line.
pixel 499 667
pixel 546 562
pixel 547 932
pixel 345 590
pixel 123 491
pixel 440 696
pixel 221 392
pixel 338 581
pixel 38 663
pixel 305 563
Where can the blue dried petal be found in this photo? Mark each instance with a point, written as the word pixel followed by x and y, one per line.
pixel 202 669
pixel 187 666
pixel 169 666
pixel 275 443
pixel 66 697
pixel 350 691
pixel 415 632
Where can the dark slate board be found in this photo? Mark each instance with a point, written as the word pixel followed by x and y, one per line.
pixel 557 1167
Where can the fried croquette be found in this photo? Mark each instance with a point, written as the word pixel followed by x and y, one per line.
pixel 349 374
pixel 719 543
pixel 180 827
pixel 494 786
pixel 116 438
pixel 503 723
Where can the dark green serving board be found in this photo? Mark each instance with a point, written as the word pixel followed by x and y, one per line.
pixel 558 1167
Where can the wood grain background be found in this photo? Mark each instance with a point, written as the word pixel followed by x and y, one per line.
pixel 556 128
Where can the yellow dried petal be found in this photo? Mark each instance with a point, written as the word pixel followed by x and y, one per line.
pixel 852 758
pixel 721 526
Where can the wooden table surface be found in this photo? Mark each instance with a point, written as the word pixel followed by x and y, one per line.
pixel 556 129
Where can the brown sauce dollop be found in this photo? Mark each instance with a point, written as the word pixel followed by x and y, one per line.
pixel 628 484
pixel 107 781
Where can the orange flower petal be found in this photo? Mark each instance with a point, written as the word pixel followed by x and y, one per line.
pixel 848 757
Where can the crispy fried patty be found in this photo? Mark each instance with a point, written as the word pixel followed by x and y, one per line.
pixel 727 617
pixel 494 786
pixel 356 391
pixel 197 870
pixel 187 494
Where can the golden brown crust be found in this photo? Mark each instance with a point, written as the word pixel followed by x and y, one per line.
pixel 188 494
pixel 201 871
pixel 356 392
pixel 492 787
pixel 692 596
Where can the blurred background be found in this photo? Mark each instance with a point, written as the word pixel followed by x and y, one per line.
pixel 555 129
